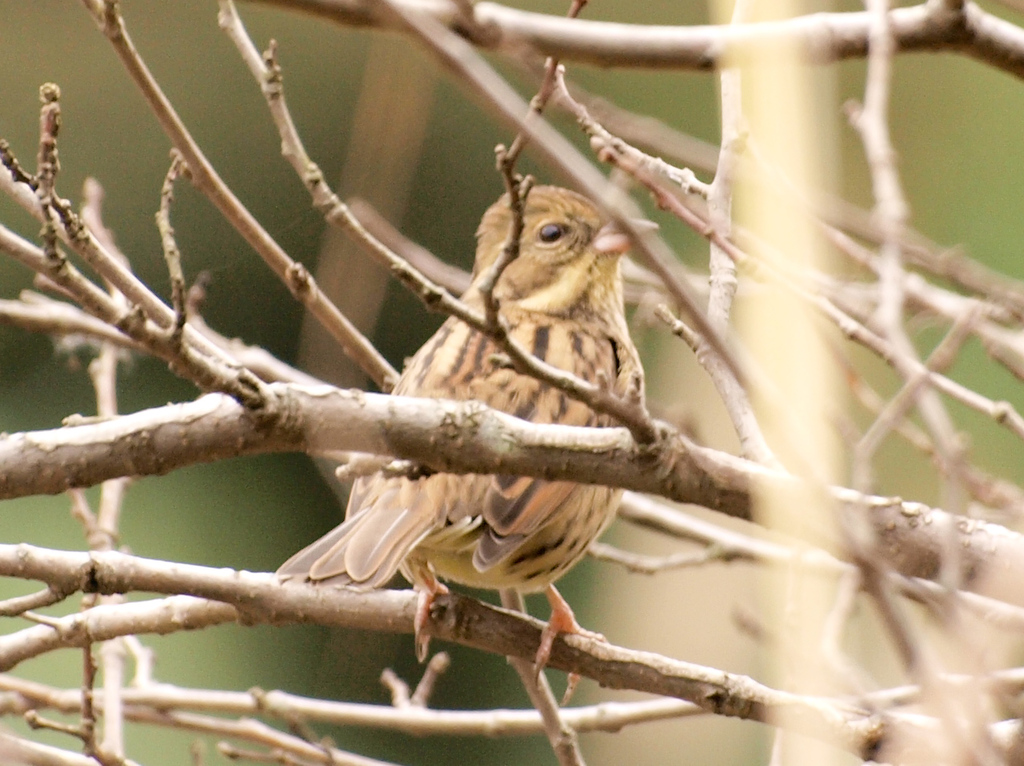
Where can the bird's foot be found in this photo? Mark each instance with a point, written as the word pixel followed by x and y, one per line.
pixel 562 620
pixel 426 592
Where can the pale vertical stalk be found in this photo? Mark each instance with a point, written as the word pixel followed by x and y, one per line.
pixel 104 535
pixel 787 123
pixel 103 371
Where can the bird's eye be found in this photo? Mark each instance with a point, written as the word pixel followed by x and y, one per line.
pixel 551 232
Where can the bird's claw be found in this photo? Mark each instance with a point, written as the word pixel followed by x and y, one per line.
pixel 424 600
pixel 562 620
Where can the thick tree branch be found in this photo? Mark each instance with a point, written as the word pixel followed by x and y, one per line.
pixel 261 598
pixel 442 435
pixel 822 37
pixel 466 437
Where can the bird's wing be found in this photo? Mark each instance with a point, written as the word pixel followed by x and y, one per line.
pixel 521 506
pixel 515 506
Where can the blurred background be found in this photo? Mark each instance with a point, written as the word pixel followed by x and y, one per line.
pixel 386 125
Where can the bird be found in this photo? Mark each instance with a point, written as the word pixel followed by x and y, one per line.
pixel 561 300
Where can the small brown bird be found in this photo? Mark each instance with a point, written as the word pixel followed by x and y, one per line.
pixel 562 300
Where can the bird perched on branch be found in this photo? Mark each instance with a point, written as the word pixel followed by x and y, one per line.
pixel 561 300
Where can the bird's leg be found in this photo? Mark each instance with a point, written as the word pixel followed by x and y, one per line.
pixel 427 587
pixel 562 620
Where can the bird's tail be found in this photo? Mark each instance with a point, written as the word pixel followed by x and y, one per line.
pixel 365 551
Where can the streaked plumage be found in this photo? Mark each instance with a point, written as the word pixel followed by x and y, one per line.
pixel 562 299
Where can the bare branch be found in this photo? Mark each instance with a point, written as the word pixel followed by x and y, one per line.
pixel 207 180
pixel 564 740
pixel 563 157
pixel 820 38
pixel 259 598
pixel 19 695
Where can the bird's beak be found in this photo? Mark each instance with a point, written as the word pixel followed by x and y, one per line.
pixel 611 240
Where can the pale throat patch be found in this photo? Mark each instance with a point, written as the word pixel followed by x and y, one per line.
pixel 565 291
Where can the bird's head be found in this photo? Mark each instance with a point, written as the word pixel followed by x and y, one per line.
pixel 568 256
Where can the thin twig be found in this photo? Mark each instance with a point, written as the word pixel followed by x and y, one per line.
pixel 723 281
pixel 19 693
pixel 396 686
pixel 639 563
pixel 891 212
pixel 208 181
pixel 556 151
pixel 437 666
pixel 172 256
pixel 145 318
pixel 564 740
pixel 452 278
pixel 894 412
pixel 16 605
pixel 288 745
pixel 543 95
pixel 267 71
